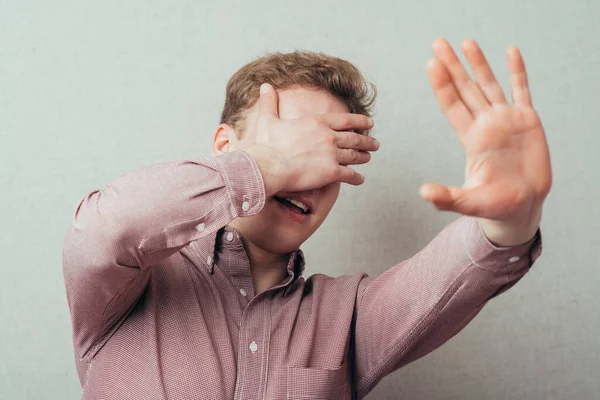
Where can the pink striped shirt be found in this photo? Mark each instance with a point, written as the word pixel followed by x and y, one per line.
pixel 163 306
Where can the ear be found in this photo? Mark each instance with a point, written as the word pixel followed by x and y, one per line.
pixel 224 140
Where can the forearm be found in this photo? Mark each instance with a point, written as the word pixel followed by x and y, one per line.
pixel 137 220
pixel 164 206
pixel 419 304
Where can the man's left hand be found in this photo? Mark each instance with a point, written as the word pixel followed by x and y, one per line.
pixel 508 173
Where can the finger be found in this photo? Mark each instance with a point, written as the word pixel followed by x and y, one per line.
pixel 268 101
pixel 468 90
pixel 519 85
pixel 447 96
pixel 349 157
pixel 347 121
pixel 348 175
pixel 356 141
pixel 483 73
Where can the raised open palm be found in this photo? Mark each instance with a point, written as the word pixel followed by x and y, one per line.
pixel 508 173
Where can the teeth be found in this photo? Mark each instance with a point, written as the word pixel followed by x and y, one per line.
pixel 297 203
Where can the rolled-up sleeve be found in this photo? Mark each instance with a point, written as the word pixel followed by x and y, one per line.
pixel 419 304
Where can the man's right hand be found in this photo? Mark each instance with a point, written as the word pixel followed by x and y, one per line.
pixel 308 153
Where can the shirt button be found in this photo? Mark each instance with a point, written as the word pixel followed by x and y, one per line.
pixel 243 292
pixel 514 259
pixel 200 227
pixel 253 347
pixel 245 206
pixel 229 236
pixel 209 260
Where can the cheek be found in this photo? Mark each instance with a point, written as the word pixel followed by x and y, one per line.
pixel 329 195
pixel 244 143
pixel 247 129
pixel 247 139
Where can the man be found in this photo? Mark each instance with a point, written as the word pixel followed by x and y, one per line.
pixel 184 278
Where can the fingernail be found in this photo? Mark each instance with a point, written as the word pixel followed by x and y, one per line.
pixel 264 88
pixel 371 123
pixel 377 143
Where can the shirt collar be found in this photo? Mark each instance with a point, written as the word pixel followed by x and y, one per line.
pixel 227 239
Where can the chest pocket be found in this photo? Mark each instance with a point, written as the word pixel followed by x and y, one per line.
pixel 316 383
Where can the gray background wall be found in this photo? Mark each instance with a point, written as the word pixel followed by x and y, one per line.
pixel 91 90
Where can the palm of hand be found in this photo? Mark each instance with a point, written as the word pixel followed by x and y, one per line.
pixel 508 172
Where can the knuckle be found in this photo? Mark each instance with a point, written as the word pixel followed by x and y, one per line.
pixel 338 155
pixel 346 120
pixel 318 120
pixel 331 174
pixel 348 156
pixel 329 138
pixel 311 123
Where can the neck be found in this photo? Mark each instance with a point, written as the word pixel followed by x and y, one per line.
pixel 268 269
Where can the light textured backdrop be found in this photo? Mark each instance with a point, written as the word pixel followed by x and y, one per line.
pixel 90 90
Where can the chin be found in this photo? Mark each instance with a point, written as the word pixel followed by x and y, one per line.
pixel 275 232
pixel 280 248
pixel 282 239
pixel 278 237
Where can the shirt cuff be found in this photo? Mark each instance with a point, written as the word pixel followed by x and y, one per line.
pixel 491 257
pixel 244 182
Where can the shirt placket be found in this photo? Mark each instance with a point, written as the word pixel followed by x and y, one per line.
pixel 253 350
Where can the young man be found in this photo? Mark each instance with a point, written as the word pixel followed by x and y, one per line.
pixel 184 278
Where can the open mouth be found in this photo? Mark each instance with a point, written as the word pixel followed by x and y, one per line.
pixel 294 205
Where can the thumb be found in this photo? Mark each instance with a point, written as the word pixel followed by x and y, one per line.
pixel 451 198
pixel 268 101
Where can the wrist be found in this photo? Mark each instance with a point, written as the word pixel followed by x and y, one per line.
pixel 511 233
pixel 269 165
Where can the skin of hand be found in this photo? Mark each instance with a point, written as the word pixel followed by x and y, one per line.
pixel 307 153
pixel 508 173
